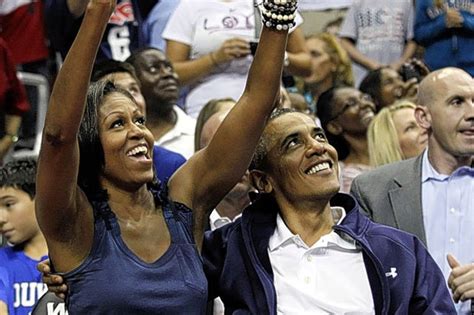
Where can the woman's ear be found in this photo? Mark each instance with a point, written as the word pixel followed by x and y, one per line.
pixel 334 128
pixel 260 181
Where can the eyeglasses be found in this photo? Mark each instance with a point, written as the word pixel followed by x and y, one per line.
pixel 352 103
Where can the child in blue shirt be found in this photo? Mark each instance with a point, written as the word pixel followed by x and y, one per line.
pixel 20 282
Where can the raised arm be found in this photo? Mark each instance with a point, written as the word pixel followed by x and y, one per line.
pixel 298 55
pixel 60 205
pixel 212 172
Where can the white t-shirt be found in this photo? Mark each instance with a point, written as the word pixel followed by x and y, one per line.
pixel 180 139
pixel 204 25
pixel 380 29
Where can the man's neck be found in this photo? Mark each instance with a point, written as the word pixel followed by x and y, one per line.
pixel 310 223
pixel 445 163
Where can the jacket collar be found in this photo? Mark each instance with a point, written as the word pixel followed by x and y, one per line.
pixel 259 219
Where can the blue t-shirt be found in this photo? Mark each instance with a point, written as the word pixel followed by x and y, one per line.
pixel 121 35
pixel 20 281
pixel 166 162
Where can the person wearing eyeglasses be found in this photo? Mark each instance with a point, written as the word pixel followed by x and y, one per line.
pixel 345 114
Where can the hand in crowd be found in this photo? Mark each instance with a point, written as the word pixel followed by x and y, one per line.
pixel 410 90
pixel 372 65
pixel 231 49
pixel 461 280
pixel 396 65
pixel 453 18
pixel 5 144
pixel 55 283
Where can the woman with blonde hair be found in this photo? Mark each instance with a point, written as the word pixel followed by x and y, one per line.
pixel 331 66
pixel 394 134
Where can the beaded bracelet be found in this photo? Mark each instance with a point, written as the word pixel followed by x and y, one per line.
pixel 279 14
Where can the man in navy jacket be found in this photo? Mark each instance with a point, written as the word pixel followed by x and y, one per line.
pixel 296 172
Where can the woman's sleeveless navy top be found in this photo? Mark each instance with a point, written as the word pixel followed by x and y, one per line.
pixel 113 280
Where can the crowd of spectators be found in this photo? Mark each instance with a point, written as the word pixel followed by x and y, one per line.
pixel 383 97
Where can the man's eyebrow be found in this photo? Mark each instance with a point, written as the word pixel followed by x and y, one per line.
pixel 289 137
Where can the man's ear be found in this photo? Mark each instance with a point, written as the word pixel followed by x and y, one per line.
pixel 334 128
pixel 260 181
pixel 423 117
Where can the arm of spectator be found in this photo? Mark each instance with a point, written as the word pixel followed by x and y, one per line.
pixel 191 70
pixel 461 280
pixel 298 55
pixel 468 21
pixel 63 212
pixel 357 56
pixel 427 29
pixel 430 294
pixel 408 52
pixel 3 291
pixel 207 176
pixel 12 125
pixel 3 308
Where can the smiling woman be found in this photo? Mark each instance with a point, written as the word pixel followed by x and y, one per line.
pixel 345 113
pixel 394 134
pixel 98 203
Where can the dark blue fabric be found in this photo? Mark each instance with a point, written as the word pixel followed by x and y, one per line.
pixel 113 280
pixel 122 33
pixel 238 268
pixel 166 162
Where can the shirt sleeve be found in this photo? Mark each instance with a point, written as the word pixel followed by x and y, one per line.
pixel 410 21
pixel 349 26
pixel 468 23
pixel 3 285
pixel 155 24
pixel 428 29
pixel 180 26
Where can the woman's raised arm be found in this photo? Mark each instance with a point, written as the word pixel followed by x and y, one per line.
pixel 58 199
pixel 205 179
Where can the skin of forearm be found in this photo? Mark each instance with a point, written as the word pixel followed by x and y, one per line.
pixel 409 51
pixel 3 308
pixel 191 70
pixel 12 124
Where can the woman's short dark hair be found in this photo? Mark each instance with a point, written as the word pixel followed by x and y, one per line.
pixel 324 107
pixel 91 151
pixel 372 85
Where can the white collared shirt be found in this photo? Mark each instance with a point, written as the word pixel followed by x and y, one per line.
pixel 180 139
pixel 326 278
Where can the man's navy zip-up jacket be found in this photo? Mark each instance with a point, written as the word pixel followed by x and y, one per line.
pixel 238 267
